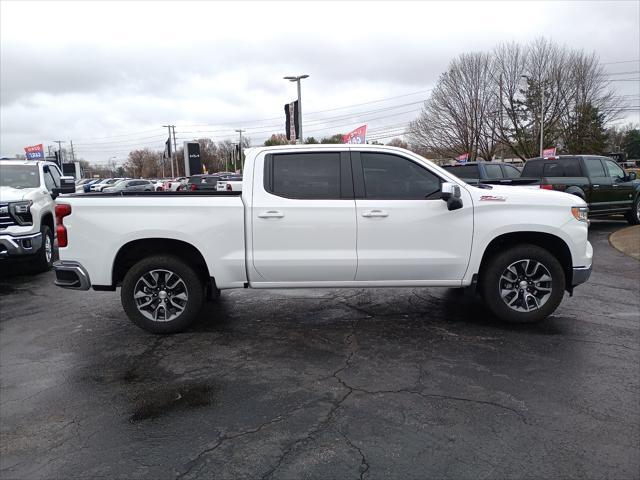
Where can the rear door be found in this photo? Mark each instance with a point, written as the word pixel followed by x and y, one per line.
pixel 405 231
pixel 303 218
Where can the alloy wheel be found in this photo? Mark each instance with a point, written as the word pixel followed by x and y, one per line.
pixel 525 285
pixel 161 295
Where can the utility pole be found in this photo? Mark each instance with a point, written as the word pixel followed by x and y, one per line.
pixel 73 155
pixel 297 79
pixel 59 142
pixel 173 152
pixel 239 130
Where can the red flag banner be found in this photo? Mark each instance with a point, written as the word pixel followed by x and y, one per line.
pixel 463 158
pixel 549 152
pixel 358 136
pixel 34 152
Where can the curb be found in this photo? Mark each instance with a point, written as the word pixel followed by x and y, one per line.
pixel 627 241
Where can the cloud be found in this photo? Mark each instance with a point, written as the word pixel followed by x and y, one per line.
pixel 95 69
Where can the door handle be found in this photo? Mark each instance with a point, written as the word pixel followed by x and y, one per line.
pixel 271 214
pixel 615 185
pixel 596 186
pixel 375 213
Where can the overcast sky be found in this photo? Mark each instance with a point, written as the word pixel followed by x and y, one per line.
pixel 108 75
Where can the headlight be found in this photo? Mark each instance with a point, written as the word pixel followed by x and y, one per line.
pixel 580 213
pixel 21 212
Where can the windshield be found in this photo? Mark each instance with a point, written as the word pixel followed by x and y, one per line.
pixel 19 176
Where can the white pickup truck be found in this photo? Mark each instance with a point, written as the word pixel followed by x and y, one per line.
pixel 325 216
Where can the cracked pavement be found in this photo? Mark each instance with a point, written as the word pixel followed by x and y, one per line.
pixel 318 384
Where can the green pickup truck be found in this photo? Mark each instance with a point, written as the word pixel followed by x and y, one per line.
pixel 600 181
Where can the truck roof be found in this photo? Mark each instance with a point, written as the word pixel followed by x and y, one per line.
pixel 18 161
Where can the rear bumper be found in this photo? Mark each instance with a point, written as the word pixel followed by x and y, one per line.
pixel 580 275
pixel 19 245
pixel 71 275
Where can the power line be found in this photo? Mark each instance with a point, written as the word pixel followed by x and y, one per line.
pixel 306 113
pixel 623 61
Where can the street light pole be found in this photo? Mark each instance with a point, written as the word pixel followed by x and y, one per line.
pixel 297 79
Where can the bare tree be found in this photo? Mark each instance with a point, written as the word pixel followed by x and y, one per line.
pixel 460 115
pixel 545 84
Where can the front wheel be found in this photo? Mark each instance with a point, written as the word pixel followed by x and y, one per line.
pixel 633 215
pixel 523 284
pixel 44 257
pixel 162 294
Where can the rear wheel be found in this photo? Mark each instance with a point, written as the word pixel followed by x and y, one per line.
pixel 162 294
pixel 522 284
pixel 633 215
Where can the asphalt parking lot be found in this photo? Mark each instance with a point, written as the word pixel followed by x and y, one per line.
pixel 324 384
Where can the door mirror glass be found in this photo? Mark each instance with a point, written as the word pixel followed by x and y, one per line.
pixel 632 175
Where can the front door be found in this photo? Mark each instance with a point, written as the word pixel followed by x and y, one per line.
pixel 622 188
pixel 303 217
pixel 405 231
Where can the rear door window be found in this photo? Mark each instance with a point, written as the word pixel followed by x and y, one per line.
pixel 533 168
pixel 465 171
pixel 594 167
pixel 304 175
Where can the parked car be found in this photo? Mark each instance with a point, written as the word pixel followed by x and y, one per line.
pixel 599 181
pixel 489 172
pixel 131 186
pixel 231 184
pixel 101 185
pixel 208 181
pixel 173 185
pixel 27 228
pixel 327 216
pixel 87 186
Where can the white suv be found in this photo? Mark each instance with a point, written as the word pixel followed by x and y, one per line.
pixel 27 210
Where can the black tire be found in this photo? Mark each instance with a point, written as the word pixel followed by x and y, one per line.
pixel 490 286
pixel 193 287
pixel 633 215
pixel 44 257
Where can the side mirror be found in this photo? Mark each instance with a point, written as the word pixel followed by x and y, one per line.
pixel 451 195
pixel 632 175
pixel 67 185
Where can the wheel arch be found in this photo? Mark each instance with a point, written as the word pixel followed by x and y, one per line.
pixel 47 219
pixel 577 191
pixel 552 243
pixel 132 252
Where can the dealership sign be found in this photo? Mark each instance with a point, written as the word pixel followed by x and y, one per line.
pixel 292 121
pixel 358 136
pixel 35 152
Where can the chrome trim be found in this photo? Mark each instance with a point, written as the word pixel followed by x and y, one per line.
pixel 580 275
pixel 81 282
pixel 14 247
